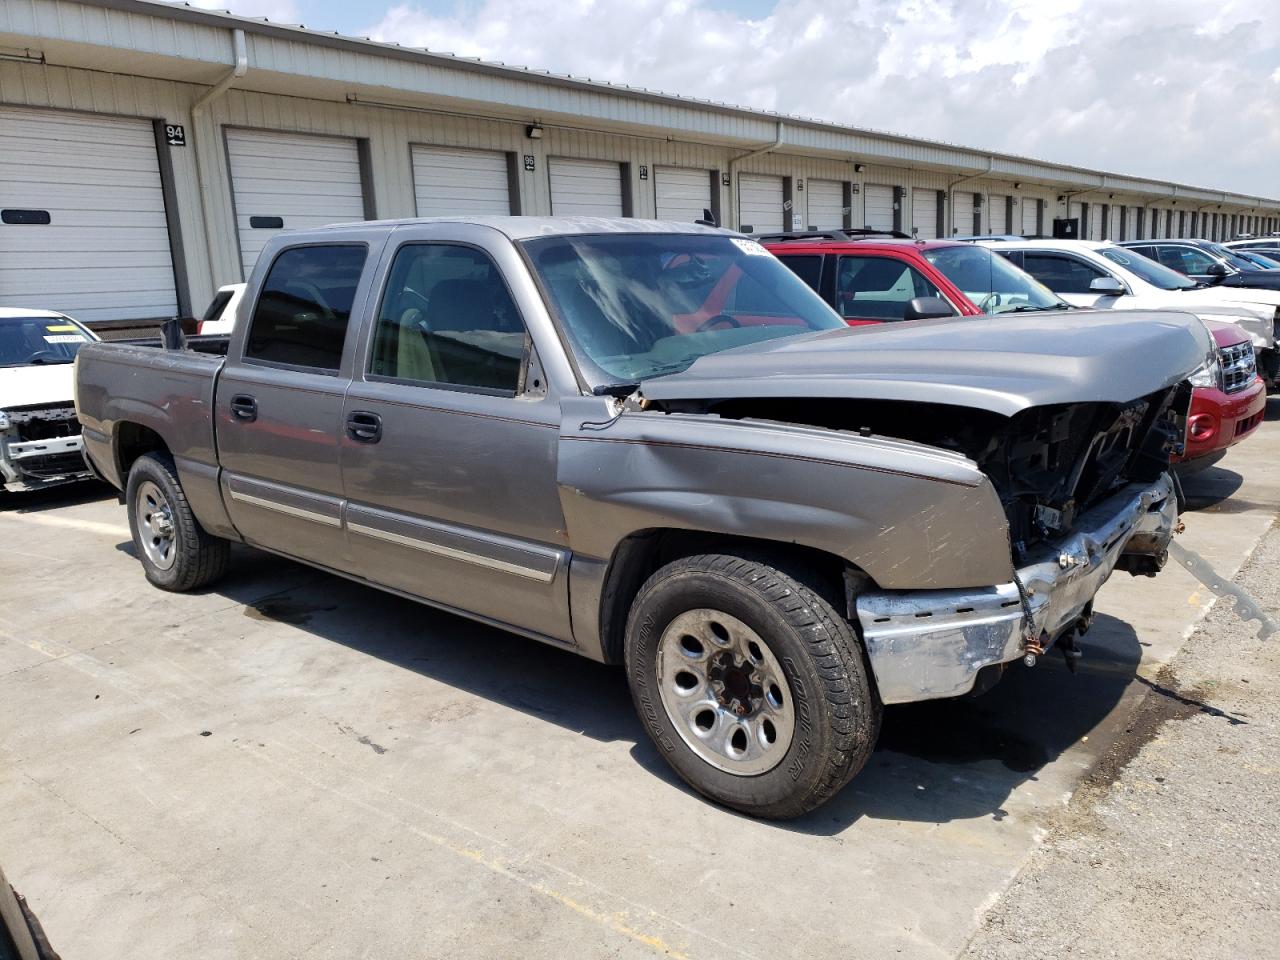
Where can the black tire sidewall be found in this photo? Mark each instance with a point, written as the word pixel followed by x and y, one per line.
pixel 151 467
pixel 802 769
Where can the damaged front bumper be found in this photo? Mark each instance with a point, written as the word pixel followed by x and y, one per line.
pixel 924 645
pixel 34 464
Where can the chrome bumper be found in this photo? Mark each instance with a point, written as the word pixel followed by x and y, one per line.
pixel 21 460
pixel 924 645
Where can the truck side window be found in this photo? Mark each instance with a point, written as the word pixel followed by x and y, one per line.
pixel 1060 274
pixel 878 288
pixel 447 318
pixel 302 313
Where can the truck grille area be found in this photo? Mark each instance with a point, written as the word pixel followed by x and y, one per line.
pixel 1239 367
pixel 44 423
pixel 53 465
pixel 1053 463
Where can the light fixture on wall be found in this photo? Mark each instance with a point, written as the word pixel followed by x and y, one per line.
pixel 1017 186
pixel 858 168
pixel 21 54
pixel 533 132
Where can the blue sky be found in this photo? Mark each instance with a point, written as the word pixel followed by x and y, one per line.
pixel 1176 89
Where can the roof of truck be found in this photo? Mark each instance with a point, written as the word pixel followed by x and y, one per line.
pixel 525 228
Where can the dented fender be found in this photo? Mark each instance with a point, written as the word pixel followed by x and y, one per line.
pixel 909 515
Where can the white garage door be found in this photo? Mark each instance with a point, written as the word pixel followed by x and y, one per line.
pixel 760 203
pixel 1131 223
pixel 962 213
pixel 453 181
pixel 585 188
pixel 826 204
pixel 924 213
pixel 997 214
pixel 1030 216
pixel 284 181
pixel 877 206
pixel 104 253
pixel 681 194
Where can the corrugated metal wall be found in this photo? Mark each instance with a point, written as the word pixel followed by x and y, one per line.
pixel 208 230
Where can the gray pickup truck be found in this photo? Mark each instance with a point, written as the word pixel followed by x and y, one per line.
pixel 653 444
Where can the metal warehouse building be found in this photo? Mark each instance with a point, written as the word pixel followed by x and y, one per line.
pixel 148 151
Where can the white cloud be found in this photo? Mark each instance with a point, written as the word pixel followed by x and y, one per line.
pixel 1158 89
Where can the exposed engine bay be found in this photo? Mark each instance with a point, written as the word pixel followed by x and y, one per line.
pixel 1049 464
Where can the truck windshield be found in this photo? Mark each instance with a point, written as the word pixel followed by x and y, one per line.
pixel 993 283
pixel 36 340
pixel 644 305
pixel 1156 274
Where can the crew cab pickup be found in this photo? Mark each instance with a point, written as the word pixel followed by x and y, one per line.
pixel 653 444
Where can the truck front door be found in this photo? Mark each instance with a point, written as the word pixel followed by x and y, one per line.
pixel 448 458
pixel 279 403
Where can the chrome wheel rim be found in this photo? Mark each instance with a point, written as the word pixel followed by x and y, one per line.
pixel 155 525
pixel 725 693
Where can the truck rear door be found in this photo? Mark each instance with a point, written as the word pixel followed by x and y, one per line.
pixel 279 399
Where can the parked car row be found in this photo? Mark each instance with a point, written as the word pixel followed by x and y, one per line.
pixel 874 278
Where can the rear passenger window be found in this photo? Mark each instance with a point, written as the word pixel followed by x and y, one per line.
pixel 1060 274
pixel 302 313
pixel 447 319
pixel 808 269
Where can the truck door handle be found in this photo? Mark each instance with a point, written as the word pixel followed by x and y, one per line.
pixel 364 427
pixel 244 407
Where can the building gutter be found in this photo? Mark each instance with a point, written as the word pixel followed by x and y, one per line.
pixel 238 70
pixel 778 141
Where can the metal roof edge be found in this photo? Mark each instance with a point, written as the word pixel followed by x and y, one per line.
pixel 333 39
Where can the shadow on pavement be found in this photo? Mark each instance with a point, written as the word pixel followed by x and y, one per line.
pixel 1210 488
pixel 51 498
pixel 936 762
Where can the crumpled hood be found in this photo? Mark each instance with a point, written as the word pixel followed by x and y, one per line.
pixel 1254 310
pixel 1004 364
pixel 38 384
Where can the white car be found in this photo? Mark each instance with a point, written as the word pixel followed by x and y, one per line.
pixel 40 442
pixel 1103 276
pixel 220 316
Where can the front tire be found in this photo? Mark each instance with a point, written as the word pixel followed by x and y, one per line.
pixel 753 688
pixel 176 552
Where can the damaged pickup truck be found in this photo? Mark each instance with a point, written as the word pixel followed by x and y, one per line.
pixel 653 444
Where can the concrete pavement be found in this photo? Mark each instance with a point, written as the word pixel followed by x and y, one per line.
pixel 292 765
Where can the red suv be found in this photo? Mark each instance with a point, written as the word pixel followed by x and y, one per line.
pixel 1231 408
pixel 875 277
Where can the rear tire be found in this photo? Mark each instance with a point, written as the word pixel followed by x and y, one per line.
pixel 175 551
pixel 751 685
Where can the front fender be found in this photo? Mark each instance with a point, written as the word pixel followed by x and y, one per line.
pixel 910 516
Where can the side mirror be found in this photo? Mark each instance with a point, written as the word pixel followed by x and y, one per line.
pixel 925 308
pixel 1107 286
pixel 1217 269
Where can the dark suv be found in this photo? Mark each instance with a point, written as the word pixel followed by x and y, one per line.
pixel 1207 262
pixel 872 277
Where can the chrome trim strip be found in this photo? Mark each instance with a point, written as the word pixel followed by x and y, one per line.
pixel 285 508
pixel 451 553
